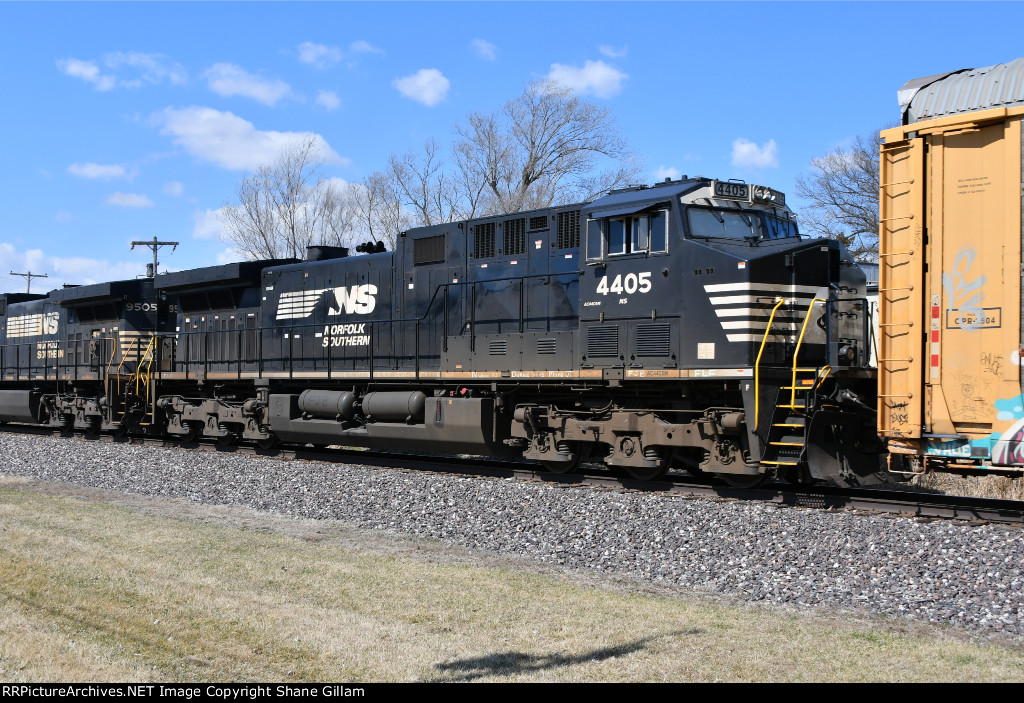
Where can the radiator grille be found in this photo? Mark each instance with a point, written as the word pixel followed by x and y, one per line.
pixel 568 230
pixel 515 236
pixel 653 340
pixel 483 240
pixel 497 347
pixel 546 346
pixel 538 224
pixel 603 341
pixel 428 250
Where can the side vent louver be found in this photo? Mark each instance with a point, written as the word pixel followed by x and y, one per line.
pixel 546 346
pixel 653 340
pixel 568 230
pixel 538 224
pixel 497 347
pixel 428 250
pixel 483 240
pixel 603 341
pixel 515 236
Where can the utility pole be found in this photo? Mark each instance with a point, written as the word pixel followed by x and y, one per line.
pixel 30 276
pixel 154 245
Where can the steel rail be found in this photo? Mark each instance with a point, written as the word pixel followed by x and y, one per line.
pixel 903 503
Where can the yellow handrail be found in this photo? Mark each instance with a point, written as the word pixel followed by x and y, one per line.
pixel 147 359
pixel 757 364
pixel 796 352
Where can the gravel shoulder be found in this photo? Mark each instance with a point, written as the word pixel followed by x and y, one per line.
pixel 964 580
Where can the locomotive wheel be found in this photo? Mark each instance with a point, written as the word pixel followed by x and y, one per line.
pixel 271 442
pixel 743 480
pixel 195 430
pixel 227 440
pixel 567 467
pixel 121 430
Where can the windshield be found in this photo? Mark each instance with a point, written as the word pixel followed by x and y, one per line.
pixel 779 228
pixel 731 224
pixel 739 224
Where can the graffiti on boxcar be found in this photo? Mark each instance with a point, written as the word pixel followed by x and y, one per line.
pixel 992 363
pixel 965 297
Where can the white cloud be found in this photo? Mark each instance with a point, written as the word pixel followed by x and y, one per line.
pixel 323 56
pixel 60 269
pixel 747 154
pixel 230 141
pixel 87 71
pixel 361 46
pixel 208 224
pixel 227 79
pixel 141 68
pixel 319 55
pixel 153 68
pixel 104 171
pixel 174 188
pixel 427 86
pixel 63 216
pixel 594 77
pixel 664 172
pixel 613 52
pixel 484 49
pixel 120 199
pixel 328 99
pixel 229 256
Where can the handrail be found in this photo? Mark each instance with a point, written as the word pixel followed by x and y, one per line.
pixel 372 323
pixel 147 355
pixel 796 352
pixel 757 364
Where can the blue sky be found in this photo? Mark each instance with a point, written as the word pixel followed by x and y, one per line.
pixel 127 121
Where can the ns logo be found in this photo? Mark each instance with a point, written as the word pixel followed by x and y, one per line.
pixel 360 300
pixel 357 300
pixel 51 323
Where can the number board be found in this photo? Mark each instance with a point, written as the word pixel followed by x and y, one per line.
pixel 735 191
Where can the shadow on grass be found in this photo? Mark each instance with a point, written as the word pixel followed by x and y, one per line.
pixel 512 663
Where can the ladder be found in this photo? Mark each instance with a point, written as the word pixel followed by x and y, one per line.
pixel 785 438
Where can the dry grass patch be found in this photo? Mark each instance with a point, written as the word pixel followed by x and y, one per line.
pixel 94 591
pixel 1001 487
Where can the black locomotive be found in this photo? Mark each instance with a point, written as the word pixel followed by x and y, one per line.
pixel 686 324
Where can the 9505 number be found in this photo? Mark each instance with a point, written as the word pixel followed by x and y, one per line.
pixel 629 284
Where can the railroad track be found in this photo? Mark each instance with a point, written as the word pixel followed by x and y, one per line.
pixel 877 501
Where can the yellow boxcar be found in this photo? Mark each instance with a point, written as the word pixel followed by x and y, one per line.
pixel 950 234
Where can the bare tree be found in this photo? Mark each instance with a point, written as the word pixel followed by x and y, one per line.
pixel 843 191
pixel 286 206
pixel 381 213
pixel 542 148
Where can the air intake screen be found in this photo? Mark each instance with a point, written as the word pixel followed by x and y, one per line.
pixel 603 341
pixel 428 250
pixel 568 230
pixel 497 347
pixel 547 346
pixel 483 240
pixel 538 224
pixel 515 236
pixel 653 340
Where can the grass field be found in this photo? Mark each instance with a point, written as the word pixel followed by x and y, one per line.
pixel 99 586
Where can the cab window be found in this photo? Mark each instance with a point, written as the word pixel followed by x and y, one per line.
pixel 633 234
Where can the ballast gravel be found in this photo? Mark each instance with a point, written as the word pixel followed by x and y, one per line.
pixel 942 572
